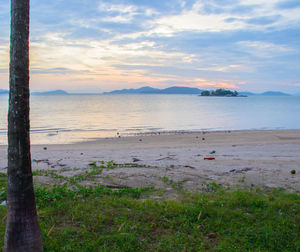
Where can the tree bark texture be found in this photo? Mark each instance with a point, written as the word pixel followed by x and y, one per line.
pixel 22 229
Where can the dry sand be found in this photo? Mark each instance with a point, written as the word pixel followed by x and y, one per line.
pixel 242 158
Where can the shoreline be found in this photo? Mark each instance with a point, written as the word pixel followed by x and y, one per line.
pixel 263 158
pixel 117 135
pixel 162 139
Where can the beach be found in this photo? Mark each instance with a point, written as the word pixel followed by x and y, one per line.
pixel 186 160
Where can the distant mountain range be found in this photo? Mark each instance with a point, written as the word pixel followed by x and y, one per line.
pixel 151 90
pixel 184 90
pixel 52 92
pixel 268 93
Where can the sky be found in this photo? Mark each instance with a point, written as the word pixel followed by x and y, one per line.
pixel 96 46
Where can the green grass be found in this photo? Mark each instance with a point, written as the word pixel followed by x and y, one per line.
pixel 81 218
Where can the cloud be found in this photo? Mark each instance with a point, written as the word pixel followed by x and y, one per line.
pixel 118 43
pixel 204 83
pixel 4 55
pixel 288 4
pixel 263 49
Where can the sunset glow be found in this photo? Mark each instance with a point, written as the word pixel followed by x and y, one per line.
pixel 96 46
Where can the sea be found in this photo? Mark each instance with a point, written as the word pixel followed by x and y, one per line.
pixel 64 119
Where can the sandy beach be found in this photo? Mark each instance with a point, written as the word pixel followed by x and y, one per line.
pixel 189 160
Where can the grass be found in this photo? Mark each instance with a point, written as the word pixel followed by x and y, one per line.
pixel 78 218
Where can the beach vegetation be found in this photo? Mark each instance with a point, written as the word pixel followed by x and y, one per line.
pixel 219 92
pixel 75 217
pixel 80 218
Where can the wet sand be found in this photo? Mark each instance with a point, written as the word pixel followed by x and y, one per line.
pixel 238 159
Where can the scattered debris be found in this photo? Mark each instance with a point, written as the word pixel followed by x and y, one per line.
pixel 241 170
pixel 50 230
pixel 188 166
pixel 135 159
pixel 209 158
pixel 165 158
pixel 212 152
pixel 120 228
pixel 212 236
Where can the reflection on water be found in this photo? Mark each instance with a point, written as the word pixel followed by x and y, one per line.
pixel 71 118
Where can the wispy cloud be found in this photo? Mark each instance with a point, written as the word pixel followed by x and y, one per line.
pixel 263 49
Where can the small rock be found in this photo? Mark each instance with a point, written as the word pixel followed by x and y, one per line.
pixel 293 172
pixel 213 152
pixel 45 148
pixel 203 138
pixel 140 140
pixel 136 160
pixel 212 236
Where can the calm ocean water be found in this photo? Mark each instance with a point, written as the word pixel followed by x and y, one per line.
pixel 73 118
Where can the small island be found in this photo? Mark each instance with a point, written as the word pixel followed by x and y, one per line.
pixel 221 92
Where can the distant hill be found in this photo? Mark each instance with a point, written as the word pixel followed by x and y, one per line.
pixel 142 90
pixel 3 91
pixel 247 93
pixel 150 90
pixel 274 93
pixel 52 92
pixel 184 90
pixel 181 90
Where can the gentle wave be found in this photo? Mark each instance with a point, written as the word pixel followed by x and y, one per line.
pixel 73 118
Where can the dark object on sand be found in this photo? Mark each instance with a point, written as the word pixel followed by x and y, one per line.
pixel 136 160
pixel 212 152
pixel 209 158
pixel 45 148
pixel 203 138
pixel 293 172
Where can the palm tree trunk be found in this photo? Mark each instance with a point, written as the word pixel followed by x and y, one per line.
pixel 22 229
